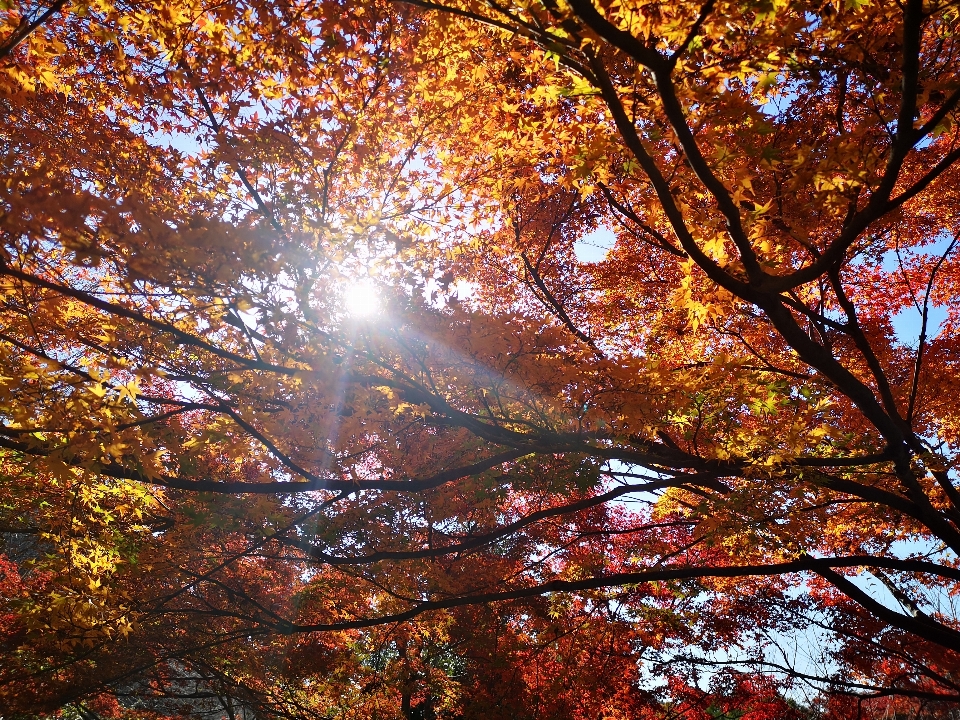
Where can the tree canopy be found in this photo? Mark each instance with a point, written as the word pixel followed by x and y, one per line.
pixel 316 401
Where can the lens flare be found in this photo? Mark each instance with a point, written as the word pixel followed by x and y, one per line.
pixel 361 299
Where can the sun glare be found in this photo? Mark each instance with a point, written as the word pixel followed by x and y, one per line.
pixel 360 299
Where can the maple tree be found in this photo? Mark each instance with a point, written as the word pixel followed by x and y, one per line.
pixel 527 485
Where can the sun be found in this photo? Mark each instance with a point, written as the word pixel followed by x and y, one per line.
pixel 361 299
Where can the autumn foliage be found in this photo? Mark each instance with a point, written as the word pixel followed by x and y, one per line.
pixel 319 400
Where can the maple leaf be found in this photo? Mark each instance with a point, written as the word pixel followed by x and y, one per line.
pixel 219 481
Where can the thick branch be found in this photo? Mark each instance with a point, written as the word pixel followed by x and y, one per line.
pixel 921 626
pixel 804 564
pixel 26 29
